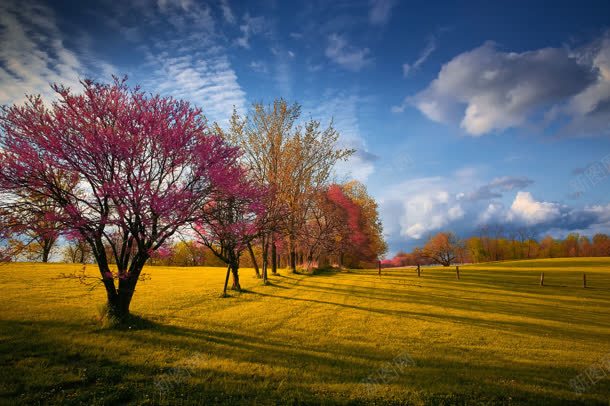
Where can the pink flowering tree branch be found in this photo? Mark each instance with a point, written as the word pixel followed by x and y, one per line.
pixel 231 221
pixel 141 166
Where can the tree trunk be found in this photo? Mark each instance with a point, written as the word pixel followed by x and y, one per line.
pixel 265 260
pixel 45 256
pixel 293 257
pixel 254 263
pixel 224 292
pixel 119 299
pixel 273 258
pixel 46 250
pixel 309 259
pixel 235 272
pixel 265 254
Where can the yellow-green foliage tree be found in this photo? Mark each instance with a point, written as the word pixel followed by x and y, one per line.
pixel 293 161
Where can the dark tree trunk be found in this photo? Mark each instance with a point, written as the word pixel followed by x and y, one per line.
pixel 235 272
pixel 118 300
pixel 273 258
pixel 265 259
pixel 45 255
pixel 224 291
pixel 254 262
pixel 47 245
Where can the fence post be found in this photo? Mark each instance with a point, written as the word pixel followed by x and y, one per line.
pixel 584 280
pixel 379 267
pixel 541 278
pixel 418 271
pixel 457 271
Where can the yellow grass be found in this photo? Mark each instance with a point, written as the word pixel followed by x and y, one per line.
pixel 493 337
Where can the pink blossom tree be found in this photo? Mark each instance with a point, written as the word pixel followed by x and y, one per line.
pixel 231 221
pixel 33 224
pixel 143 166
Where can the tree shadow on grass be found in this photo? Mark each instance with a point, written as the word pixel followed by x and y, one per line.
pixel 549 310
pixel 269 370
pixel 532 327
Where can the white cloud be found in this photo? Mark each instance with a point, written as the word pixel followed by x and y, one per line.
pixel 250 26
pixel 183 14
pixel 186 63
pixel 183 4
pixel 344 109
pixel 258 66
pixel 414 209
pixel 488 90
pixel 227 13
pixel 206 79
pixel 381 11
pixel 530 211
pixel 497 186
pixel 349 57
pixel 407 68
pixel 421 206
pixel 590 109
pixel 494 213
pixel 33 54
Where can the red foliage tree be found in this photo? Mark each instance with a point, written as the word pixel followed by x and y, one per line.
pixel 443 248
pixel 143 166
pixel 354 239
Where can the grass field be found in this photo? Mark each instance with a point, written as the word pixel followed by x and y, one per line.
pixel 493 337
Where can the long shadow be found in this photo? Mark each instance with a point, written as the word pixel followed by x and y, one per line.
pixel 537 310
pixel 508 326
pixel 105 378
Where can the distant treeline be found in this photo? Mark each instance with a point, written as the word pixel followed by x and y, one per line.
pixel 494 245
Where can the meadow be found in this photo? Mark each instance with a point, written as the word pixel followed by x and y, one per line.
pixel 351 337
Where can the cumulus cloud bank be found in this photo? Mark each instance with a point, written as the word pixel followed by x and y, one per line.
pixel 417 208
pixel 489 90
pixel 530 211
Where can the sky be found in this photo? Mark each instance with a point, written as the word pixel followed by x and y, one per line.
pixel 462 115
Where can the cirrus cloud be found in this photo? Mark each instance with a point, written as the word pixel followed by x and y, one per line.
pixel 345 55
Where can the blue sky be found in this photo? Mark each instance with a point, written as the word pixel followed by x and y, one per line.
pixel 463 115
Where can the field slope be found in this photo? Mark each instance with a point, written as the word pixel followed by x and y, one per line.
pixel 493 337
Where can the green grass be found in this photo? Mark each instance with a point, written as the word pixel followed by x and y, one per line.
pixel 493 337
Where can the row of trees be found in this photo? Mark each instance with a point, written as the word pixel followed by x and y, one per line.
pixel 445 248
pixel 126 178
